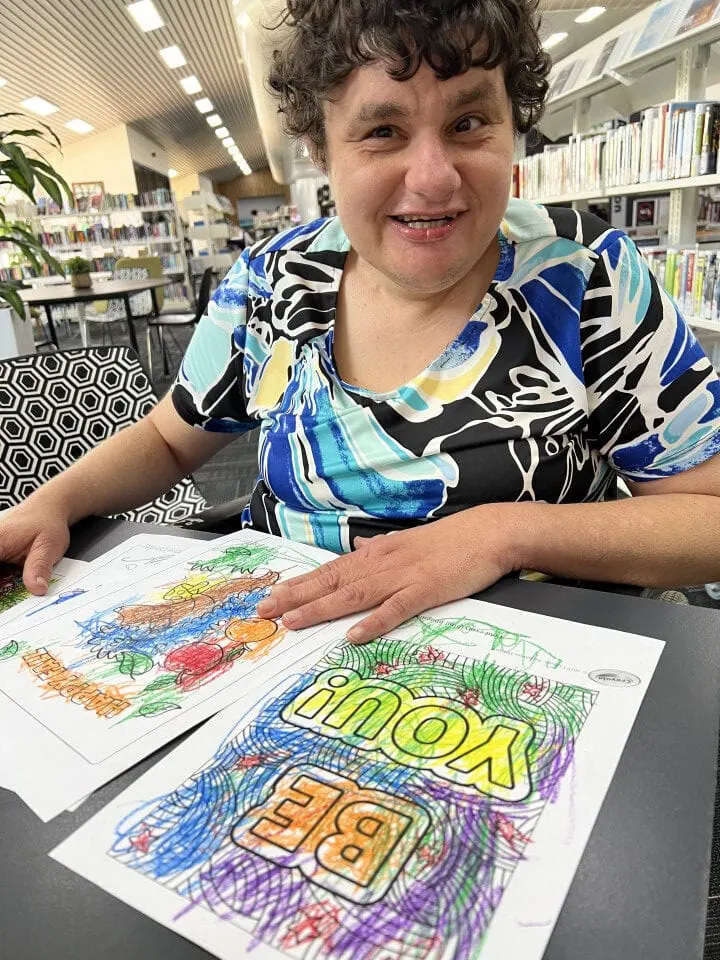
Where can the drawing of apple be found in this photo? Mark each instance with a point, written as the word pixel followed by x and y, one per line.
pixel 189 681
pixel 194 659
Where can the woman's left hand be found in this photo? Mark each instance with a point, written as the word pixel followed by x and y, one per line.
pixel 401 574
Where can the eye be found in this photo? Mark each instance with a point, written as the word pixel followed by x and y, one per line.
pixel 382 133
pixel 469 125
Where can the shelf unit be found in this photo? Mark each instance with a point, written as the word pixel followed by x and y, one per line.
pixel 690 53
pixel 108 248
pixel 207 232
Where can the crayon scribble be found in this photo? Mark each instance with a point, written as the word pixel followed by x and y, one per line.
pixel 143 658
pixel 374 810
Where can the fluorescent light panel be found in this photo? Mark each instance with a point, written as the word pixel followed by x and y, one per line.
pixel 42 108
pixel 554 39
pixel 214 120
pixel 146 16
pixel 79 126
pixel 590 14
pixel 191 84
pixel 228 142
pixel 204 105
pixel 173 57
pixel 222 132
pixel 2 82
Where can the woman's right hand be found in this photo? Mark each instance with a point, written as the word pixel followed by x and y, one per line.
pixel 35 534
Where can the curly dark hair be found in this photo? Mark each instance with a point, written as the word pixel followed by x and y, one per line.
pixel 330 38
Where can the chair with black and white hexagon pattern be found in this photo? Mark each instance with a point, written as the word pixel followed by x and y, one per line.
pixel 54 407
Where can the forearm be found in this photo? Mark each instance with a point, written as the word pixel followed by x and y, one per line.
pixel 125 471
pixel 660 540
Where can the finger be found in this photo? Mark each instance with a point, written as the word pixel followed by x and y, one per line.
pixel 395 610
pixel 41 558
pixel 349 598
pixel 324 581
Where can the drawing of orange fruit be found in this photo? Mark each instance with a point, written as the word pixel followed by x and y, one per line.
pixel 248 633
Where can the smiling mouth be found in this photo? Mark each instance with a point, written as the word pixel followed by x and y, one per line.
pixel 419 222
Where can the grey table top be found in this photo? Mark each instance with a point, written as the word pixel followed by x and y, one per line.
pixel 640 892
pixel 102 290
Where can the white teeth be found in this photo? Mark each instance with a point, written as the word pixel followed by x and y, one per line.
pixel 426 224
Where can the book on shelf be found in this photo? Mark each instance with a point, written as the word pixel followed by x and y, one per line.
pixel 699 13
pixel 565 79
pixel 603 59
pixel 692 278
pixel 670 141
pixel 662 25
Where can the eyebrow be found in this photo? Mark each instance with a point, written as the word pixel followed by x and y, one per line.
pixel 392 110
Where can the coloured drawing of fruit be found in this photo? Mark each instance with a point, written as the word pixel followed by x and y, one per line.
pixel 248 633
pixel 194 658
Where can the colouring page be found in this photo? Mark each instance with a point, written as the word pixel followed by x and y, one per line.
pixel 427 795
pixel 130 669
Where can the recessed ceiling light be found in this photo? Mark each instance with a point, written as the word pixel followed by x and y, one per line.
pixel 214 120
pixel 39 106
pixel 244 20
pixel 246 170
pixel 222 132
pixel 173 57
pixel 191 84
pixel 554 39
pixel 234 151
pixel 145 15
pixel 172 172
pixel 228 142
pixel 590 14
pixel 2 82
pixel 79 126
pixel 204 105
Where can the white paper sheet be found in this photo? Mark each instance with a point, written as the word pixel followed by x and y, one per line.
pixel 151 660
pixel 427 795
pixel 132 559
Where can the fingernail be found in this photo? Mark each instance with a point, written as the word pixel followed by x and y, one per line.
pixel 291 618
pixel 355 634
pixel 268 606
pixel 42 582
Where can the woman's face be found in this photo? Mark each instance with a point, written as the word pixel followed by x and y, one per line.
pixel 421 171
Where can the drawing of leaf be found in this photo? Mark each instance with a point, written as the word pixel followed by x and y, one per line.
pixel 153 709
pixel 134 664
pixel 159 682
pixel 9 650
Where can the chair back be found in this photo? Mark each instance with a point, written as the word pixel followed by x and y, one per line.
pixel 203 298
pixel 133 268
pixel 55 407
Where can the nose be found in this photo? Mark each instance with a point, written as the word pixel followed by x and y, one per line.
pixel 431 171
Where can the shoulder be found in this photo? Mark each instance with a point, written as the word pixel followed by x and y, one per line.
pixel 319 236
pixel 537 224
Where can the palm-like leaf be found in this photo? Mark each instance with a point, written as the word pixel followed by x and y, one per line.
pixel 25 167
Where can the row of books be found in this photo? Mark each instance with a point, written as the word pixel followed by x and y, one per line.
pixel 668 19
pixel 98 233
pixel 108 202
pixel 692 277
pixel 666 142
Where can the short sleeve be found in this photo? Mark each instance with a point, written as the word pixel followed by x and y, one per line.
pixel 209 391
pixel 653 395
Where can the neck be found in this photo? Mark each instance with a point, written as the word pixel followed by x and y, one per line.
pixel 466 293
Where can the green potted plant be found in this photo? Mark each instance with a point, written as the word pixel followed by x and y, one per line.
pixel 24 167
pixel 79 269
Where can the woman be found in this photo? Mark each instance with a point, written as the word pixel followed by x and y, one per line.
pixel 433 354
